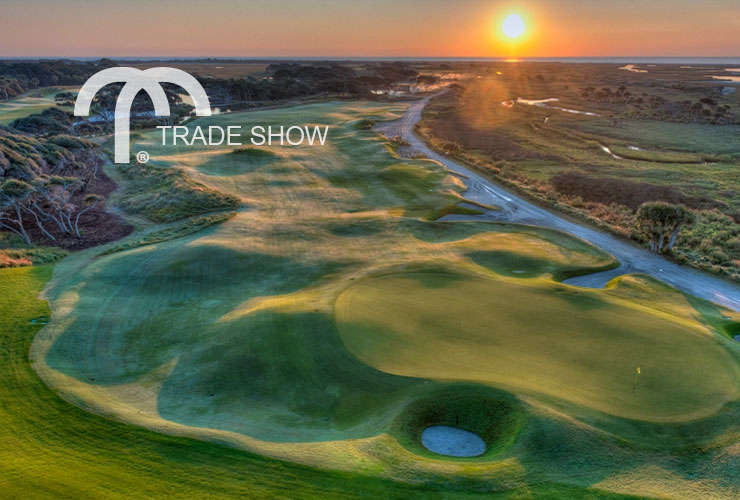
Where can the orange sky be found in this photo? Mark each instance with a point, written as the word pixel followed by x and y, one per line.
pixel 421 28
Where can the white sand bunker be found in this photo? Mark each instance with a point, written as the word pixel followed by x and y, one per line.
pixel 452 442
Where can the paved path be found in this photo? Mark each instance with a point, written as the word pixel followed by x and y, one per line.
pixel 513 208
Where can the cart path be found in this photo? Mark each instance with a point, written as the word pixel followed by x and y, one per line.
pixel 513 208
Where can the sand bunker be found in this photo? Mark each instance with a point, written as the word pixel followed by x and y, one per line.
pixel 452 442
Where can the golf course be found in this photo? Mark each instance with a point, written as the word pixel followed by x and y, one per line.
pixel 28 104
pixel 299 347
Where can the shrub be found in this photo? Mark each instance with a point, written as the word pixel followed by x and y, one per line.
pixel 365 124
pixel 628 193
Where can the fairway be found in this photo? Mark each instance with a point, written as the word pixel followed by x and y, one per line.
pixel 333 318
pixel 541 339
pixel 28 104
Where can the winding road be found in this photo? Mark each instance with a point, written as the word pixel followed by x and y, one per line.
pixel 513 208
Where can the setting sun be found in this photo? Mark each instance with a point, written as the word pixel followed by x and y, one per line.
pixel 513 26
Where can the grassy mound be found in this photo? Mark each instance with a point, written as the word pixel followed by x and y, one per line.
pixel 168 194
pixel 180 229
pixel 521 265
pixel 357 228
pixel 239 161
pixel 252 152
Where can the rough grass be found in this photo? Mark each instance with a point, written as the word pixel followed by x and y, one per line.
pixel 168 194
pixel 14 252
pixel 184 228
pixel 664 156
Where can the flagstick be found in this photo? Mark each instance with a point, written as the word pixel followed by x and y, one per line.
pixel 634 387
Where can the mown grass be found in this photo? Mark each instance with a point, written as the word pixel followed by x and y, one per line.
pixel 28 104
pixel 539 339
pixel 52 449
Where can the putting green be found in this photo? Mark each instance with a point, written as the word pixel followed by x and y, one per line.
pixel 545 340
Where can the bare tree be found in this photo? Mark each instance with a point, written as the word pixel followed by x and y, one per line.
pixel 91 201
pixel 55 195
pixel 13 194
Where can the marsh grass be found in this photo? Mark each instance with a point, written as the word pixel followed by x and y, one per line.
pixel 531 150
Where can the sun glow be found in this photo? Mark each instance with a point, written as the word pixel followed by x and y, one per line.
pixel 513 26
pixel 515 33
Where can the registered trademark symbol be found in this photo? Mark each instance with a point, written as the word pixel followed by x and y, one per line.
pixel 142 157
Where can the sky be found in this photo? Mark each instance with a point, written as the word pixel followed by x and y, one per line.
pixel 367 28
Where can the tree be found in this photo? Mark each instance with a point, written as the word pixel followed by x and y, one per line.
pixel 54 202
pixel 91 201
pixel 661 223
pixel 31 188
pixel 13 194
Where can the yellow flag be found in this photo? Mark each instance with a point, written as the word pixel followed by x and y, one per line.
pixel 638 370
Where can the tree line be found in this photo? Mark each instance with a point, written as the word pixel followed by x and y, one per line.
pixel 297 80
pixel 18 77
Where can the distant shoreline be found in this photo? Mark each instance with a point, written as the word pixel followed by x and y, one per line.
pixel 584 60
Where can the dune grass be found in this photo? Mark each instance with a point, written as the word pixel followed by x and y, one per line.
pixel 658 156
pixel 166 195
pixel 14 252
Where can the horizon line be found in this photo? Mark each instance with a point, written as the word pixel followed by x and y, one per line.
pixel 359 58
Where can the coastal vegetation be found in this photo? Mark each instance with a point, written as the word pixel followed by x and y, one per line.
pixel 610 141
